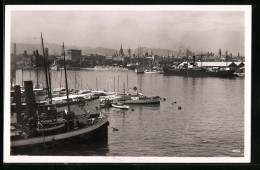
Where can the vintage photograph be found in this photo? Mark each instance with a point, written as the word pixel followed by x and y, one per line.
pixel 118 84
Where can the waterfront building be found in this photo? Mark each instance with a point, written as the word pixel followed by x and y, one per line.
pixel 118 58
pixel 74 54
pixel 109 57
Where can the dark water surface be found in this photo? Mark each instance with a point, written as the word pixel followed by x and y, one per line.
pixel 210 122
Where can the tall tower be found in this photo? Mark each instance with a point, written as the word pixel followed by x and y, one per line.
pixel 129 52
pixel 121 51
pixel 219 53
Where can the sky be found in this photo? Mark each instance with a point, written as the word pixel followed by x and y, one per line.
pixel 196 30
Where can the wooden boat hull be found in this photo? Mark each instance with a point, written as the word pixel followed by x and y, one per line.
pixel 66 135
pixel 121 107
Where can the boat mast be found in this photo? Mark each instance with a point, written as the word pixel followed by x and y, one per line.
pixel 45 67
pixel 60 77
pixel 127 82
pixel 187 56
pixel 114 83
pixel 48 67
pixel 201 59
pixel 138 60
pixel 109 83
pixel 96 84
pixel 22 71
pixel 141 85
pixel 66 82
pixel 117 83
pixel 124 90
pixel 75 76
pixel 37 81
pixel 142 58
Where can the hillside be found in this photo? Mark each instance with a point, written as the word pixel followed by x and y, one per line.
pixel 56 49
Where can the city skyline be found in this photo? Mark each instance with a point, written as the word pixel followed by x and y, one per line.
pixel 196 30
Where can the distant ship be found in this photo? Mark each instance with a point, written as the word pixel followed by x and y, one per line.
pixel 192 70
pixel 225 72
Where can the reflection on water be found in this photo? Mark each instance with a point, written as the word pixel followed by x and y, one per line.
pixel 209 123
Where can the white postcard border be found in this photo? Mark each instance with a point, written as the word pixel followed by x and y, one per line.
pixel 111 159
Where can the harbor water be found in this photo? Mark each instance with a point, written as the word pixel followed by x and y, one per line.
pixel 200 117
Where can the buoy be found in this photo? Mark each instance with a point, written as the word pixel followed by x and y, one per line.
pixel 164 99
pixel 179 107
pixel 115 129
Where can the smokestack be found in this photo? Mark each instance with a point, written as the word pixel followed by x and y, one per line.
pixel 33 52
pixel 37 52
pixel 193 60
pixel 30 102
pixel 17 97
pixel 25 52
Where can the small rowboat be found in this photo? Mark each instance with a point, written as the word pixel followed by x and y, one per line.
pixel 120 106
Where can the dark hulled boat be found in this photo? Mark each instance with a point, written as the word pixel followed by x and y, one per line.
pixel 198 72
pixel 38 126
pixel 193 70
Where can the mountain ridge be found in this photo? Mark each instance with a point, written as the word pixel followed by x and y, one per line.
pixel 56 49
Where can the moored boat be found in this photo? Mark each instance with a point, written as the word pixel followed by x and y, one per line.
pixel 120 105
pixel 193 70
pixel 139 70
pixel 153 71
pixel 141 99
pixel 89 125
pixel 198 72
pixel 38 126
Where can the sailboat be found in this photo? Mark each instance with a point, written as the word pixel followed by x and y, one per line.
pixel 32 128
pixel 119 104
